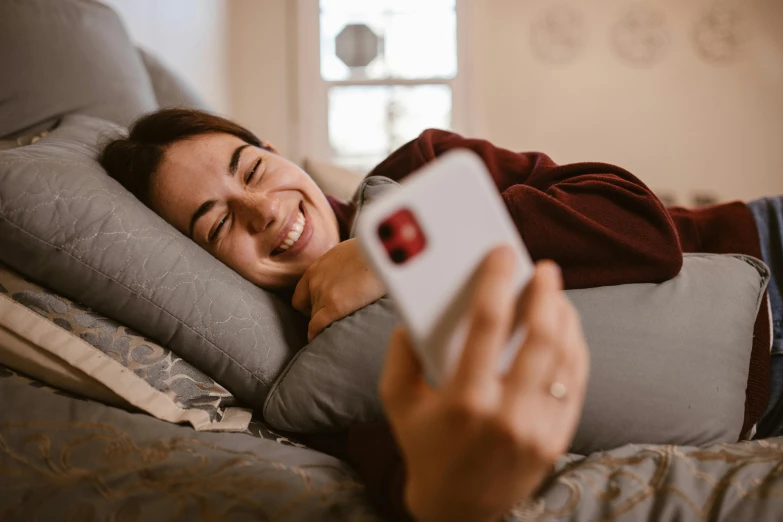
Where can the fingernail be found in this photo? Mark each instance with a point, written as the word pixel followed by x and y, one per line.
pixel 504 252
pixel 552 268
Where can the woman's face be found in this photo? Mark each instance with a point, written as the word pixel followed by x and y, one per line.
pixel 254 210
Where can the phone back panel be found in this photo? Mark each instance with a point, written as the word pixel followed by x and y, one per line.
pixel 462 217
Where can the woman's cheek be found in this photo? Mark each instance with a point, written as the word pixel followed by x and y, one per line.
pixel 238 256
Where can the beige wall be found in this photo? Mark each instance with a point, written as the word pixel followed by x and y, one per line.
pixel 190 36
pixel 684 125
pixel 235 53
pixel 261 60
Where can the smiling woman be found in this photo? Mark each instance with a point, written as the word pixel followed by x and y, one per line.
pixel 228 191
pixel 260 214
pixel 264 217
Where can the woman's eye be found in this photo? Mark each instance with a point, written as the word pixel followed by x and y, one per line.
pixel 252 173
pixel 215 234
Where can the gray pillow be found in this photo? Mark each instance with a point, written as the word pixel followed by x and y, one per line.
pixel 62 56
pixel 170 89
pixel 66 224
pixel 669 361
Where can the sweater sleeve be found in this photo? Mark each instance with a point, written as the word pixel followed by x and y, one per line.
pixel 600 223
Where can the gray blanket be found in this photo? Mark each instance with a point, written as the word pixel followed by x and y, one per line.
pixel 66 458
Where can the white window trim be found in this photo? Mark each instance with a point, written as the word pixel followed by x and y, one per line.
pixel 311 129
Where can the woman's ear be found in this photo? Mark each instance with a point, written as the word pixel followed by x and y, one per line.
pixel 271 148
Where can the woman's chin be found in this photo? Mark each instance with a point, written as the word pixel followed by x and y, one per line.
pixel 315 249
pixel 289 268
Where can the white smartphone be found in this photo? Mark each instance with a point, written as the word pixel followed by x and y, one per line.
pixel 426 241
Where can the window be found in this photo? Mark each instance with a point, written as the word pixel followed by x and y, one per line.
pixel 379 73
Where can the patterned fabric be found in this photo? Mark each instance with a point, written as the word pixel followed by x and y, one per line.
pixel 159 367
pixel 256 427
pixel 66 459
pixel 725 482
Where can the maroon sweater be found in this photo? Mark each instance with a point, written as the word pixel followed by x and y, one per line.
pixel 601 224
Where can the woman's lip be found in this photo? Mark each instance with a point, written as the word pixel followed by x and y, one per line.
pixel 304 237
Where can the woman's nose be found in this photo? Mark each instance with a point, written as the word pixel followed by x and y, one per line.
pixel 260 212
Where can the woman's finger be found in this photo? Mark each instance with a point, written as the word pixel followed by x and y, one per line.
pixel 550 272
pixel 490 314
pixel 301 297
pixel 322 318
pixel 555 351
pixel 402 381
pixel 558 418
pixel 542 317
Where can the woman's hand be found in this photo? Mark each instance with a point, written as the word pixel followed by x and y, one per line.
pixel 335 286
pixel 483 442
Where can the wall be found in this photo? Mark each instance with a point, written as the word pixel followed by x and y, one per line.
pixel 235 53
pixel 190 36
pixel 666 94
pixel 261 59
pixel 684 123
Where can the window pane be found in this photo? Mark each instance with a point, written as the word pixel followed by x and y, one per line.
pixel 357 120
pixel 367 123
pixel 416 39
pixel 372 6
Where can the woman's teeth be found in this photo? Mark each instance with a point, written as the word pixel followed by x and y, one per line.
pixel 294 234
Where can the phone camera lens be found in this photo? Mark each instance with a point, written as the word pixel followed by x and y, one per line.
pixel 398 255
pixel 385 231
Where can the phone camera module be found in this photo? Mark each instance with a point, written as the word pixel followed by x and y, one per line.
pixel 401 236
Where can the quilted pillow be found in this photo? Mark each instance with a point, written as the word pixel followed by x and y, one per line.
pixel 69 226
pixel 170 89
pixel 669 362
pixel 63 56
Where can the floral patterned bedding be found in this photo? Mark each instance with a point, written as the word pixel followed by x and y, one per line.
pixel 66 458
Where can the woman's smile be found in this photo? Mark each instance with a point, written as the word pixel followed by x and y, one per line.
pixel 294 236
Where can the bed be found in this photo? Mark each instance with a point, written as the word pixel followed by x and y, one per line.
pixel 75 444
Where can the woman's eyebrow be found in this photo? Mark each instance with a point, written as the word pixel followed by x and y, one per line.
pixel 203 209
pixel 232 165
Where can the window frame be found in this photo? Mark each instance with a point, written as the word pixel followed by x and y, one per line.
pixel 312 114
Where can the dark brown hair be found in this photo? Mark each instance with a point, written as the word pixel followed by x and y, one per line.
pixel 132 160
